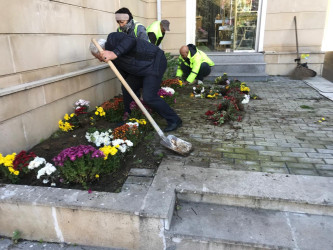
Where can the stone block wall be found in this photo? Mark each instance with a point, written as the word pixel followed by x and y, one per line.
pixel 279 37
pixel 46 65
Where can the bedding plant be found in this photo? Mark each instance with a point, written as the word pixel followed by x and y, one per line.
pixel 92 150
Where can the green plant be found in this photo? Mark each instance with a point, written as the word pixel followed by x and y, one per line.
pixel 114 109
pixel 16 236
pixel 306 107
pixel 81 164
pixel 172 62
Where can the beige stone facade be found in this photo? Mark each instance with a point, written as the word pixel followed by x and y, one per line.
pixel 46 65
pixel 279 36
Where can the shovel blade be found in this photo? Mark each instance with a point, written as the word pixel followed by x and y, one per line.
pixel 176 144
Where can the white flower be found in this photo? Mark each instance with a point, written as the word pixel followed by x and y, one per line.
pixel 45 181
pixel 100 138
pixel 122 145
pixel 82 103
pixel 129 143
pixel 53 184
pixel 169 90
pixel 48 170
pixel 36 162
pixel 131 124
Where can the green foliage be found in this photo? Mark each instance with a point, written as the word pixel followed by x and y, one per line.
pixel 306 107
pixel 16 236
pixel 172 62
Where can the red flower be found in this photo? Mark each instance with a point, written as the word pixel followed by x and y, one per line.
pixel 209 112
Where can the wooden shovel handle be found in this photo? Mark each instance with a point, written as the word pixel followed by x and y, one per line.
pixel 130 91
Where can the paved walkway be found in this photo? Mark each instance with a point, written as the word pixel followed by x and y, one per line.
pixel 280 133
pixel 288 131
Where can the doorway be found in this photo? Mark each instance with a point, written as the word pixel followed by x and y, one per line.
pixel 227 25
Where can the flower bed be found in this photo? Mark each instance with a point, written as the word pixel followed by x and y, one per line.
pixel 92 150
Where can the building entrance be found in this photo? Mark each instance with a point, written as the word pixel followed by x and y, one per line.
pixel 226 25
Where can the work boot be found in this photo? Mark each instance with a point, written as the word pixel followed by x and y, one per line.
pixel 173 126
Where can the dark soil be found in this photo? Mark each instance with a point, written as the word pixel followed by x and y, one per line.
pixel 142 156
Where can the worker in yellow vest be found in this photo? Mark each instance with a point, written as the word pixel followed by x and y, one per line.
pixel 193 64
pixel 129 26
pixel 156 31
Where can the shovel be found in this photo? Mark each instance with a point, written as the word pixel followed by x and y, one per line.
pixel 171 142
pixel 301 71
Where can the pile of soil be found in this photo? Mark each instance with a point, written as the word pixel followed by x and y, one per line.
pixel 141 156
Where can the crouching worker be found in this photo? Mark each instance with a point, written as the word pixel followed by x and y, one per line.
pixel 141 59
pixel 193 64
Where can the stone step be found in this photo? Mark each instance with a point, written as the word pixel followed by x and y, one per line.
pixel 210 226
pixel 239 68
pixel 237 57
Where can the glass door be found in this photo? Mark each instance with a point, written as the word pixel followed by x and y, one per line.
pixel 226 25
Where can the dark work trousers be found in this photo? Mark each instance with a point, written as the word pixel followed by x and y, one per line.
pixel 135 82
pixel 204 70
pixel 151 85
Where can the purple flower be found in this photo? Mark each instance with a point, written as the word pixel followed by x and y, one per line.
pixel 74 153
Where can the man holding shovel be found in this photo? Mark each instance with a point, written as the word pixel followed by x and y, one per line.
pixel 139 58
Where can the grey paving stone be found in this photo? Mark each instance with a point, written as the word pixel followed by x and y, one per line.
pixel 303 150
pixel 326 173
pixel 300 165
pixel 301 171
pixel 234 156
pixel 141 172
pixel 280 149
pixel 270 153
pixel 294 154
pixel 275 170
pixel 324 166
pixel 231 150
pixel 272 164
pixel 139 180
pixel 284 159
pixel 328 161
pixel 320 155
pixel 311 160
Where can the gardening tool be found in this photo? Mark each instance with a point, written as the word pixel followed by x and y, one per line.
pixel 171 142
pixel 301 71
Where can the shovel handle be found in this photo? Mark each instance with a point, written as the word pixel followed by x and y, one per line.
pixel 130 91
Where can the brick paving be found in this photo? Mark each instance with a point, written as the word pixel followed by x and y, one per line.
pixel 279 133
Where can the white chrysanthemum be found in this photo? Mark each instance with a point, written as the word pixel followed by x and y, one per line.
pixel 117 142
pixel 48 170
pixel 129 143
pixel 122 148
pixel 131 124
pixel 169 90
pixel 36 162
pixel 100 138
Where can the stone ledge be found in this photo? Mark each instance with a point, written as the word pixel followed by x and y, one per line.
pixel 34 84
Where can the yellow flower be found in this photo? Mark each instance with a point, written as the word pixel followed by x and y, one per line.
pixel 323 118
pixel 16 172
pixel 97 175
pixel 66 117
pixel 72 114
pixel 162 96
pixel 319 121
pixel 108 150
pixel 12 170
